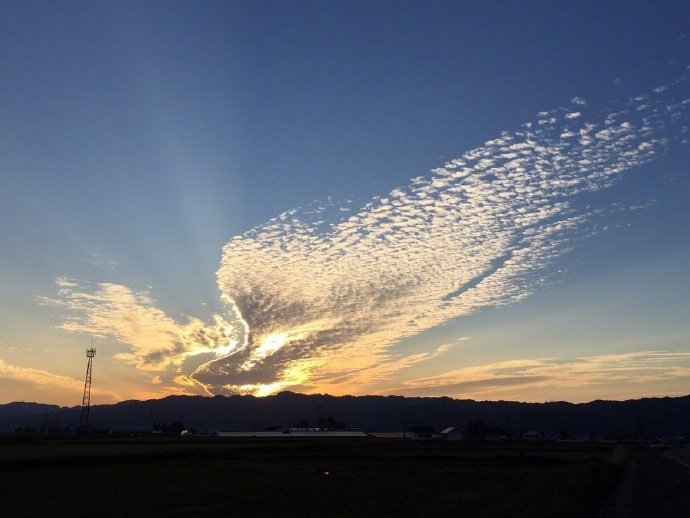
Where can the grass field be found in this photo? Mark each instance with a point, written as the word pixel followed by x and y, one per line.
pixel 289 477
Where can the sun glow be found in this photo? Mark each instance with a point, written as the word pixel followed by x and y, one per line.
pixel 268 346
pixel 224 350
pixel 296 374
pixel 271 344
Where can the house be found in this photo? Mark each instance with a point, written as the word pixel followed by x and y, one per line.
pixel 452 434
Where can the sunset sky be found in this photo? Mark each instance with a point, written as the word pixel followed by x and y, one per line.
pixel 473 199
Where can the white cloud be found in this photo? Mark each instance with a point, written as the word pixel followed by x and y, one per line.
pixel 156 341
pixel 319 298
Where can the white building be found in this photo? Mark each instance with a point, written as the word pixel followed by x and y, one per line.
pixel 420 433
pixel 452 434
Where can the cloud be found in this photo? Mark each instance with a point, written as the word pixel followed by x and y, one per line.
pixel 493 380
pixel 39 378
pixel 320 297
pixel 475 233
pixel 156 341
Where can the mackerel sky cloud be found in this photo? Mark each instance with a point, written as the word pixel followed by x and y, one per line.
pixel 320 297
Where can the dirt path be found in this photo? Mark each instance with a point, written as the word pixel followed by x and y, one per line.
pixel 661 487
pixel 620 503
pixel 655 484
pixel 681 455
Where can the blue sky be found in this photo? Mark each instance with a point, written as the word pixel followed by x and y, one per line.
pixel 140 139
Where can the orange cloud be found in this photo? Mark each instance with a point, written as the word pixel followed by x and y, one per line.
pixel 41 379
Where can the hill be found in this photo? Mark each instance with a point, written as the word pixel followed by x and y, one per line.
pixel 641 418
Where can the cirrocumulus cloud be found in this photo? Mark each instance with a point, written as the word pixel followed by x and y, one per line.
pixel 319 298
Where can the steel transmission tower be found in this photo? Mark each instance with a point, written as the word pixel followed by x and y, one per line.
pixel 86 400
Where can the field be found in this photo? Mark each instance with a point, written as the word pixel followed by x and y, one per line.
pixel 289 477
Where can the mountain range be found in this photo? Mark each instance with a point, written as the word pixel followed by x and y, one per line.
pixel 646 418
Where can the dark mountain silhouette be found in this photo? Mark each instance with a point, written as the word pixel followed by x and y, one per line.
pixel 641 418
pixel 26 409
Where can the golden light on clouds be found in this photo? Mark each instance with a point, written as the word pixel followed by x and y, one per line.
pixel 570 377
pixel 318 299
pixel 156 341
pixel 53 383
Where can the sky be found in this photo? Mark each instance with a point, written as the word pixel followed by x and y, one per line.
pixel 473 199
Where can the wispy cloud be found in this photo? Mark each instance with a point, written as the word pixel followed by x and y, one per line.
pixel 48 380
pixel 9 349
pixel 495 379
pixel 157 342
pixel 319 298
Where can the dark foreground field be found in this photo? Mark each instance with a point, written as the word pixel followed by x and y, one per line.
pixel 373 477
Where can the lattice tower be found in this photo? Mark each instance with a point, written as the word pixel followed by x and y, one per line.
pixel 86 400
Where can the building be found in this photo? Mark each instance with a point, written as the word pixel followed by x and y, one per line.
pixel 452 434
pixel 420 433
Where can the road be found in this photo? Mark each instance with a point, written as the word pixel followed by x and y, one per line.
pixel 654 485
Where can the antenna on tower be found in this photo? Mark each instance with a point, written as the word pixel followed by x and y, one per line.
pixel 86 400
